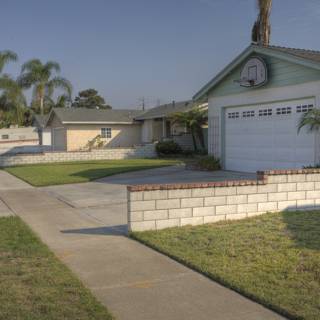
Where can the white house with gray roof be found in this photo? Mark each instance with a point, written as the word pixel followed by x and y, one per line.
pixel 255 104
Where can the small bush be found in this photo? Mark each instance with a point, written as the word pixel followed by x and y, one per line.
pixel 316 166
pixel 167 148
pixel 208 163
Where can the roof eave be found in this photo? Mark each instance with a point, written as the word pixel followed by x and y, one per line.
pixel 98 122
pixel 204 90
pixel 288 56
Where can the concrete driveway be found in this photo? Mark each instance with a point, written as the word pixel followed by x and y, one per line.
pixel 106 199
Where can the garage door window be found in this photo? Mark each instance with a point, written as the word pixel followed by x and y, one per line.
pixel 285 110
pixel 304 108
pixel 233 115
pixel 265 112
pixel 248 114
pixel 106 133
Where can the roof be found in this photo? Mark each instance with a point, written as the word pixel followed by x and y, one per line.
pixel 165 110
pixel 95 116
pixel 311 55
pixel 40 120
pixel 308 58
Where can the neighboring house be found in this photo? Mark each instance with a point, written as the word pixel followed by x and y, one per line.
pixel 73 128
pixel 255 104
pixel 39 121
pixel 19 140
pixel 158 126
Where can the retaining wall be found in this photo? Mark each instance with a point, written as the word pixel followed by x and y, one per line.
pixel 155 207
pixel 145 151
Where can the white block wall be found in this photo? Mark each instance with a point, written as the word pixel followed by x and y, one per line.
pixel 145 151
pixel 155 207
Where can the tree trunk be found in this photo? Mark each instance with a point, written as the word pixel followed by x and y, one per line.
pixel 194 140
pixel 41 105
pixel 201 138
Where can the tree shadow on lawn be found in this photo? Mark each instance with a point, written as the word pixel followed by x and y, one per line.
pixel 94 174
pixel 119 230
pixel 304 228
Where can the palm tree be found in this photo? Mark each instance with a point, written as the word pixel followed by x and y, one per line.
pixel 311 120
pixel 193 120
pixel 7 56
pixel 40 76
pixel 261 29
pixel 13 99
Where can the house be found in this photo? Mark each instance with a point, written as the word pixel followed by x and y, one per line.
pixel 156 123
pixel 255 104
pixel 39 121
pixel 72 128
pixel 19 140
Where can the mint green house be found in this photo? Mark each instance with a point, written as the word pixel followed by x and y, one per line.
pixel 255 104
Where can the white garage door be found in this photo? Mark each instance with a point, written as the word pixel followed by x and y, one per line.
pixel 265 137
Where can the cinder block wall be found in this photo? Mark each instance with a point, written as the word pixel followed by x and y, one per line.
pixel 145 151
pixel 155 207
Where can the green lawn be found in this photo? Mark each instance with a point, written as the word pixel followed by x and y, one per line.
pixel 35 285
pixel 82 171
pixel 274 258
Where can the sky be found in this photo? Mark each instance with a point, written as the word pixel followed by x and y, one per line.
pixel 161 50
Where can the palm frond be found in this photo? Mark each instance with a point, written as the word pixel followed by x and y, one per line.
pixel 31 65
pixel 62 83
pixel 7 56
pixel 52 65
pixel 310 120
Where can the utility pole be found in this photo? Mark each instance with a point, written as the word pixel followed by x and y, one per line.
pixel 143 103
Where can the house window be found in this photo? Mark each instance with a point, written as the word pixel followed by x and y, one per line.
pixel 265 112
pixel 285 110
pixel 304 108
pixel 5 137
pixel 106 133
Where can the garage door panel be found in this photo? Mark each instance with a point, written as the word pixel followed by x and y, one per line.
pixel 269 140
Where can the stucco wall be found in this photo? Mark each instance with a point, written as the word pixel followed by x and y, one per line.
pixel 123 135
pixel 155 207
pixel 146 131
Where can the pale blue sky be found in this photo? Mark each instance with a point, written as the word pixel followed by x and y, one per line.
pixel 161 50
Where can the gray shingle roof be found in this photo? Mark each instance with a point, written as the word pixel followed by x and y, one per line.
pixel 83 115
pixel 165 110
pixel 301 53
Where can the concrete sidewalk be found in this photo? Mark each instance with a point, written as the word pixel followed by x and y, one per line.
pixel 10 182
pixel 133 281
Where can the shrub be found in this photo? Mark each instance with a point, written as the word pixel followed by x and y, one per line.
pixel 167 148
pixel 316 166
pixel 208 163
